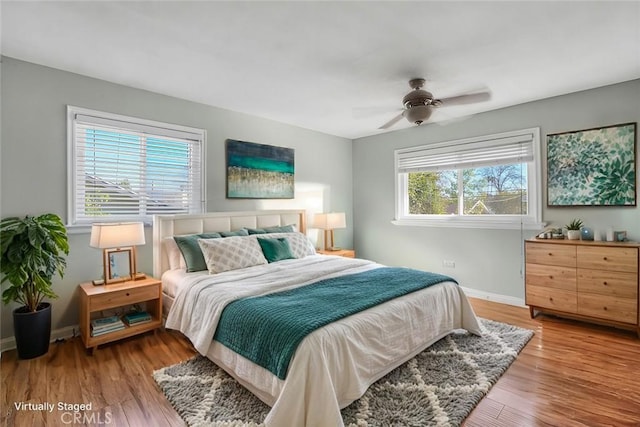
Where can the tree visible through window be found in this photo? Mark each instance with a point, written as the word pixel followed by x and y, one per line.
pixel 484 177
pixel 494 190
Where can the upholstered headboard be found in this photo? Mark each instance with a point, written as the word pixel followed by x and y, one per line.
pixel 174 225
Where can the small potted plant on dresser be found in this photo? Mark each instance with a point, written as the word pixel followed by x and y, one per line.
pixel 33 250
pixel 573 229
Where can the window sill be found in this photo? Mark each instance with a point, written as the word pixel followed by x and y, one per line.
pixel 458 222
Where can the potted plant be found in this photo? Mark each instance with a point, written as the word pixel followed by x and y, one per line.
pixel 33 250
pixel 573 229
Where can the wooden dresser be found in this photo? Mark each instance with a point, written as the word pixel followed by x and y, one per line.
pixel 585 280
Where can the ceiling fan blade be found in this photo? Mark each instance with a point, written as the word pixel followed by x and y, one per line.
pixel 471 98
pixel 393 121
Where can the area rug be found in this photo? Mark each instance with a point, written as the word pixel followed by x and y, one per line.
pixel 438 387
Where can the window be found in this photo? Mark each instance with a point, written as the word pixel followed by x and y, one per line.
pixel 490 181
pixel 123 168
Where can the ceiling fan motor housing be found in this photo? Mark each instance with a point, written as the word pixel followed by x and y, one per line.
pixel 417 104
pixel 418 114
pixel 417 97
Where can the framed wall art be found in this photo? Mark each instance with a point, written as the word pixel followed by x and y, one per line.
pixel 592 167
pixel 258 171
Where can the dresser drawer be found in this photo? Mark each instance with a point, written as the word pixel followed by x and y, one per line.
pixel 555 299
pixel 606 258
pixel 551 276
pixel 550 254
pixel 610 308
pixel 128 296
pixel 611 283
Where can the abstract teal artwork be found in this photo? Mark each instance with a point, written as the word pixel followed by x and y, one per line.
pixel 258 171
pixel 593 167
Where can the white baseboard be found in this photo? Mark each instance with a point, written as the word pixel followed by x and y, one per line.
pixel 504 299
pixel 62 333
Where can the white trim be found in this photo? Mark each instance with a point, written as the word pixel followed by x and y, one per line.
pixel 144 125
pixel 62 333
pixel 489 296
pixel 532 221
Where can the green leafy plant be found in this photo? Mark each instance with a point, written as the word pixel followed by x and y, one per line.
pixel 575 224
pixel 33 250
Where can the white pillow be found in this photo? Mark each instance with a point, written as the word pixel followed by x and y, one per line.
pixel 300 244
pixel 174 255
pixel 231 253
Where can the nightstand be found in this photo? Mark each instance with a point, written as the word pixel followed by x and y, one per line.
pixel 94 299
pixel 349 253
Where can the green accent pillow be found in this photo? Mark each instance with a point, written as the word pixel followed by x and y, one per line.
pixel 252 231
pixel 191 251
pixel 276 229
pixel 276 249
pixel 241 232
pixel 282 229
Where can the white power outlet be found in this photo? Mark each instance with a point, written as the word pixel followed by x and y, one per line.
pixel 449 263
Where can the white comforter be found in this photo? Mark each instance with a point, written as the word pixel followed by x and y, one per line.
pixel 334 365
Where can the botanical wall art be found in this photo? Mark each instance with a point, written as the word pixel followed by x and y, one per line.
pixel 593 167
pixel 257 171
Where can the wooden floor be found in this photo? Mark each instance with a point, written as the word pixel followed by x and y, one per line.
pixel 570 374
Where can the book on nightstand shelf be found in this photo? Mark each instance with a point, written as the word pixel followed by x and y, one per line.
pixel 137 317
pixel 105 325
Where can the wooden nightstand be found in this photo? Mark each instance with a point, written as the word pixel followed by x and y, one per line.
pixel 349 253
pixel 96 298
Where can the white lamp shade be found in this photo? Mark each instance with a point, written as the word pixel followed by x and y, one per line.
pixel 117 235
pixel 330 221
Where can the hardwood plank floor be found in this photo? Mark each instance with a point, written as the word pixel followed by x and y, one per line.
pixel 570 374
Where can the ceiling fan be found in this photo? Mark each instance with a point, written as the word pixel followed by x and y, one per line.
pixel 419 104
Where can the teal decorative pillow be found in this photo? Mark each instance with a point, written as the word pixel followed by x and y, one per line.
pixel 276 229
pixel 276 249
pixel 253 231
pixel 300 244
pixel 241 232
pixel 282 229
pixel 191 251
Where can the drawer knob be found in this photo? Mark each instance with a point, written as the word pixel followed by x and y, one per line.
pixel 551 299
pixel 605 308
pixel 128 294
pixel 550 254
pixel 550 277
pixel 605 283
pixel 604 258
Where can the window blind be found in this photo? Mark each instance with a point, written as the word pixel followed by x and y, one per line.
pixel 125 168
pixel 472 153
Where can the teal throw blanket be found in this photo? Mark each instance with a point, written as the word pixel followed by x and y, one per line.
pixel 267 329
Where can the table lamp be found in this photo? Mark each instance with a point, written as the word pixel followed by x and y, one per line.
pixel 329 222
pixel 117 237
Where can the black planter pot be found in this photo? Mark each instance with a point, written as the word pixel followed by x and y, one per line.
pixel 32 330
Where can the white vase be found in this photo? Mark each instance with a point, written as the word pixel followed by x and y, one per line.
pixel 573 234
pixel 610 236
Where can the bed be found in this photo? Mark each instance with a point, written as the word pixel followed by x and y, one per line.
pixel 333 365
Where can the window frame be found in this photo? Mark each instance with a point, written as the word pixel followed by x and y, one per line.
pixel 532 221
pixel 73 222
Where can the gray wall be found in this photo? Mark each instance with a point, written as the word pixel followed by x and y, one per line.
pixel 489 261
pixel 34 162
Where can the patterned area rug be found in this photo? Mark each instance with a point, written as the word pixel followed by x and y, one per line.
pixel 438 387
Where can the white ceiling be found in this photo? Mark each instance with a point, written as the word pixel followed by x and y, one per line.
pixel 336 67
